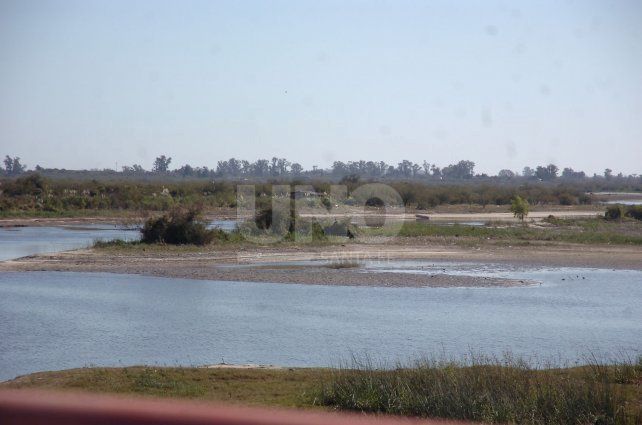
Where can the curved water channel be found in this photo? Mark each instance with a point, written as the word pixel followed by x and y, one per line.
pixel 16 242
pixel 55 320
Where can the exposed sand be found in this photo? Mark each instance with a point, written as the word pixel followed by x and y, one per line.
pixel 242 366
pixel 467 217
pixel 208 268
pixel 440 214
pixel 270 263
pixel 67 221
pixel 240 263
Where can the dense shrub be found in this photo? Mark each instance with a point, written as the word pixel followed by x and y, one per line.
pixel 567 199
pixel 341 228
pixel 284 222
pixel 178 227
pixel 634 211
pixel 613 212
pixel 32 184
pixel 277 221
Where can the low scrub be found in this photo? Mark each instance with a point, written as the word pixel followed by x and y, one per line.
pixel 617 212
pixel 491 391
pixel 179 227
pixel 67 192
pixel 634 211
pixel 284 222
pixel 613 212
pixel 585 231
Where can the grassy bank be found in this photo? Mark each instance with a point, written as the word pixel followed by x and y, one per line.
pixel 584 231
pixel 504 391
pixel 578 231
pixel 267 387
pixel 495 391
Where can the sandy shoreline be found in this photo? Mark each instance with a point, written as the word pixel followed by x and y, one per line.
pixel 273 263
pixel 193 267
pixel 230 262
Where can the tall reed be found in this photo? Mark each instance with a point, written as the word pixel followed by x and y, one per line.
pixel 492 390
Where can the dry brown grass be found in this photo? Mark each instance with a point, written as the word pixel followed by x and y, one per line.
pixel 278 387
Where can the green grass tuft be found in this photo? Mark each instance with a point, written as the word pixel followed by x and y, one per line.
pixel 491 391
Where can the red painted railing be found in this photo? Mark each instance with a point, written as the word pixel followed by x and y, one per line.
pixel 28 407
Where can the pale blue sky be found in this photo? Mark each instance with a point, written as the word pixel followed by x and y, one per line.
pixel 87 84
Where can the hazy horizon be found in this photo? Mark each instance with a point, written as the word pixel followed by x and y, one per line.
pixel 506 85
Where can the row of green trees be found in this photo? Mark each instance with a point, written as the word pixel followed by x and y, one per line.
pixel 280 168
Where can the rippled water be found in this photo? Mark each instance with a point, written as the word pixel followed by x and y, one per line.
pixel 54 320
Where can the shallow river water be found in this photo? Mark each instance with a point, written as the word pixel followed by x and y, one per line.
pixel 53 320
pixel 16 242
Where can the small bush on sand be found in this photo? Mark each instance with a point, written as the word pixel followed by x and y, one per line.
pixel 519 207
pixel 178 227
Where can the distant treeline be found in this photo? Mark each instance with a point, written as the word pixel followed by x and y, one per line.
pixel 282 168
pixel 33 193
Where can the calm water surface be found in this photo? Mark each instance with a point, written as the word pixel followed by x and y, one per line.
pixel 226 225
pixel 62 320
pixel 626 202
pixel 16 242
